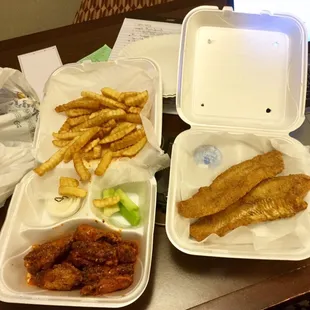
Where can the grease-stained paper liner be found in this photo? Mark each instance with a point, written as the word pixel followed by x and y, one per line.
pixel 123 75
pixel 285 233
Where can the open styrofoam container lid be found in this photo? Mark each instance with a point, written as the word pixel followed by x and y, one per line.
pixel 244 72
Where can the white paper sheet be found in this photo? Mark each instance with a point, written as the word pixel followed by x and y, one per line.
pixel 38 66
pixel 136 29
pixel 281 234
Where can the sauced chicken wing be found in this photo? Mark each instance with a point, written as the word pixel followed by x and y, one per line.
pixel 62 277
pixel 92 253
pixel 127 251
pixel 107 285
pixel 91 234
pixel 94 274
pixel 231 185
pixel 47 254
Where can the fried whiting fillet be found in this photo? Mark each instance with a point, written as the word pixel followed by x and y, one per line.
pixel 276 198
pixel 231 185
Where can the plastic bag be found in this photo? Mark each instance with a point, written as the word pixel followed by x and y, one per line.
pixel 18 117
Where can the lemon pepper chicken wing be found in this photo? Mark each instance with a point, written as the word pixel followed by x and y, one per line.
pixel 231 185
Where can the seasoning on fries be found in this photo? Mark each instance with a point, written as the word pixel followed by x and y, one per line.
pixel 98 126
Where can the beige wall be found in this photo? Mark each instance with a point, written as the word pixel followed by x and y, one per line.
pixel 21 17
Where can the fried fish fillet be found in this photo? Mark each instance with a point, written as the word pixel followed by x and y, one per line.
pixel 231 185
pixel 284 193
pixel 242 214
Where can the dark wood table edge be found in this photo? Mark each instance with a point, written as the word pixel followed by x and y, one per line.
pixel 264 292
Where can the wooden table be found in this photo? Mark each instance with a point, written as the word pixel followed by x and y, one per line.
pixel 178 281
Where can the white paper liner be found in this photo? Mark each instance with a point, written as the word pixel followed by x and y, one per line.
pixel 285 233
pixel 67 85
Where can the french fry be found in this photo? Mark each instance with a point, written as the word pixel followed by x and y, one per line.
pixel 128 140
pixel 68 182
pixel 110 93
pixel 139 100
pixel 118 135
pixel 112 104
pixel 133 150
pixel 66 135
pixel 60 143
pixel 134 110
pixel 79 143
pixel 120 127
pixel 111 123
pixel 97 151
pixel 74 121
pixel 94 114
pixel 53 161
pixel 107 102
pixel 80 168
pixel 100 119
pixel 126 95
pixel 65 126
pixel 133 118
pixel 90 145
pixel 81 103
pixel 118 153
pixel 106 202
pixel 77 112
pixel 72 191
pixel 104 163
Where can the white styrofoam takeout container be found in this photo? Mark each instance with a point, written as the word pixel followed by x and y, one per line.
pixel 28 221
pixel 238 73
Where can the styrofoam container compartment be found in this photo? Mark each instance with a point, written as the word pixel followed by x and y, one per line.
pixel 28 222
pixel 239 74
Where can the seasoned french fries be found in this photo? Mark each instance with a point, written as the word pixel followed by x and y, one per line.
pixel 134 110
pixel 120 127
pixel 97 151
pixel 79 143
pixel 80 168
pixel 118 135
pixel 128 140
pixel 90 145
pixel 126 95
pixel 112 104
pixel 72 191
pixel 107 102
pixel 81 103
pixel 53 161
pixel 65 127
pixel 68 182
pixel 104 163
pixel 74 121
pixel 104 126
pixel 66 135
pixel 111 123
pixel 100 119
pixel 133 118
pixel 110 93
pixel 78 112
pixel 106 202
pixel 60 143
pixel 118 153
pixel 138 100
pixel 133 150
